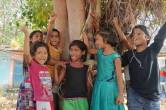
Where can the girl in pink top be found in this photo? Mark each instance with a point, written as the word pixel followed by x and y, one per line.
pixel 37 57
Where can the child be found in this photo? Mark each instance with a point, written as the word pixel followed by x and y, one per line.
pixel 39 76
pixel 143 93
pixel 44 36
pixel 108 88
pixel 76 78
pixel 25 96
pixel 128 43
pixel 34 36
pixel 54 43
pixel 39 79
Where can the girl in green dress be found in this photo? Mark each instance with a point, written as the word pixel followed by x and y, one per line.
pixel 108 87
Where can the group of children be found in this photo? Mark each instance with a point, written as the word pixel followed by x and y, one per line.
pixel 44 71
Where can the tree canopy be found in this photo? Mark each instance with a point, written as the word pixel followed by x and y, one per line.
pixel 16 13
pixel 35 13
pixel 9 14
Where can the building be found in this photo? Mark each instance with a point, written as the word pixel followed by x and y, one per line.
pixel 11 68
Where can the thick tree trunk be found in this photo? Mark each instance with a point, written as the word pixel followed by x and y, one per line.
pixel 61 23
pixel 71 20
pixel 76 18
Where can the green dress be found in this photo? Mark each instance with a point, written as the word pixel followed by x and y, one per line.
pixel 105 89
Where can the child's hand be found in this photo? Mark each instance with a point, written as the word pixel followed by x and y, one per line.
pixel 85 39
pixel 53 18
pixel 84 36
pixel 61 64
pixel 119 100
pixel 24 29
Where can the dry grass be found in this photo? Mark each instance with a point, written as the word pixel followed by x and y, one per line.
pixel 8 100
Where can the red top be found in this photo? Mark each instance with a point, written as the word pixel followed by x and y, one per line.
pixel 41 82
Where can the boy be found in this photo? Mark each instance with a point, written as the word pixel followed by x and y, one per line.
pixel 143 93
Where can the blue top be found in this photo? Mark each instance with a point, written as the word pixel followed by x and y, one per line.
pixel 105 66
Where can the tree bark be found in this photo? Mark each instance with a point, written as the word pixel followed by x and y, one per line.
pixel 76 18
pixel 61 23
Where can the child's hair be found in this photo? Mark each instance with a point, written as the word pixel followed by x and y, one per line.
pixel 45 33
pixel 82 46
pixel 108 38
pixel 142 28
pixel 36 45
pixel 34 32
pixel 56 30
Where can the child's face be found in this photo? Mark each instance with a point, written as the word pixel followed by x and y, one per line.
pixel 75 53
pixel 37 37
pixel 99 41
pixel 139 37
pixel 54 40
pixel 44 37
pixel 41 55
pixel 131 41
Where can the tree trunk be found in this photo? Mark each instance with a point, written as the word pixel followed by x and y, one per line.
pixel 76 18
pixel 61 23
pixel 71 20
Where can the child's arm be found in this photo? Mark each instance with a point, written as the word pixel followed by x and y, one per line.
pixel 159 40
pixel 53 62
pixel 118 70
pixel 50 26
pixel 86 41
pixel 62 71
pixel 90 76
pixel 122 37
pixel 61 46
pixel 55 76
pixel 27 55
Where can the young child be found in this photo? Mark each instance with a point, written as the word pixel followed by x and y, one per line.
pixel 108 87
pixel 76 78
pixel 25 95
pixel 143 93
pixel 54 42
pixel 39 76
pixel 34 36
pixel 127 43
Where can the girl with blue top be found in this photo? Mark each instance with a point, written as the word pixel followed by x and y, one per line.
pixel 108 87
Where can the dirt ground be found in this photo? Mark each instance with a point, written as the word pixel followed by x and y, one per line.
pixel 8 100
pixel 163 105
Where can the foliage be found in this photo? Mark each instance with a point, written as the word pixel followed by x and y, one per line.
pixel 15 13
pixel 9 13
pixel 37 12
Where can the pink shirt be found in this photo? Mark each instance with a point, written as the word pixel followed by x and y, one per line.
pixel 41 82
